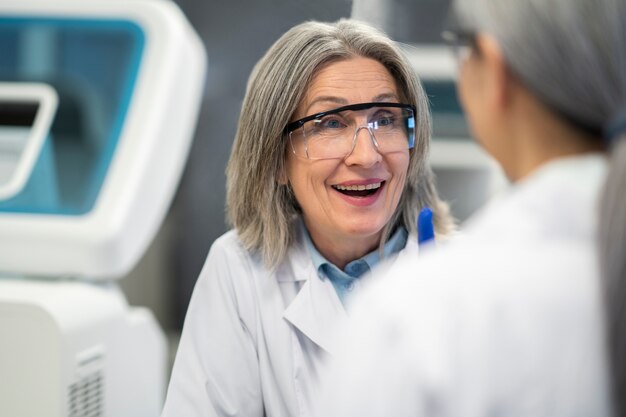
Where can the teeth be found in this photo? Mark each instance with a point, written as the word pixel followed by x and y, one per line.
pixel 357 187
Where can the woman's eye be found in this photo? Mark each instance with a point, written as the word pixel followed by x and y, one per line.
pixel 383 118
pixel 330 124
pixel 384 121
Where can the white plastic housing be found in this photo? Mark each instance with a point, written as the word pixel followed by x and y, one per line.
pixel 74 349
pixel 108 241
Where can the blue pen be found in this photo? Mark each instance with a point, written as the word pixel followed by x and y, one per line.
pixel 425 227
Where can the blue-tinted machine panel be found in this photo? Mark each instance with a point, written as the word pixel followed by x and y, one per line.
pixel 93 66
pixel 448 119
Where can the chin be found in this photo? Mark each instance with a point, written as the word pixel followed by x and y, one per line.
pixel 365 229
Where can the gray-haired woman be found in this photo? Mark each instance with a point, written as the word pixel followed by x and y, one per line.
pixel 326 177
pixel 512 320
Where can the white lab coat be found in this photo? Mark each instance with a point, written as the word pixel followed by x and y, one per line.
pixel 505 322
pixel 253 339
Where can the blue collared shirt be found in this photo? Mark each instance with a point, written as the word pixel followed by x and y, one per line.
pixel 345 281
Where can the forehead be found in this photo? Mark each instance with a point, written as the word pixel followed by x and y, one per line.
pixel 349 81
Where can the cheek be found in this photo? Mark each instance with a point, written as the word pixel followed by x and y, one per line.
pixel 307 178
pixel 297 180
pixel 400 165
pixel 463 87
pixel 469 93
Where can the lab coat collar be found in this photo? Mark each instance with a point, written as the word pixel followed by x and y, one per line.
pixel 298 257
pixel 301 263
pixel 316 310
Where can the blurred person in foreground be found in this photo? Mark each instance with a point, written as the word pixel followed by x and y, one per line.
pixel 526 316
pixel 326 178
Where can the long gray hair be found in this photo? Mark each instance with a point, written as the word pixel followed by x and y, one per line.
pixel 572 55
pixel 258 206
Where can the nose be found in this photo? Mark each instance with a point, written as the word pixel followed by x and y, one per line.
pixel 364 149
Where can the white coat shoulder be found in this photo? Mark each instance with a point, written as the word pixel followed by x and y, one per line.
pixel 216 371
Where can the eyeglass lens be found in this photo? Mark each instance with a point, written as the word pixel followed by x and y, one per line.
pixel 391 129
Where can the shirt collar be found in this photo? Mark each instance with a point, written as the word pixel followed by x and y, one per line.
pixel 359 266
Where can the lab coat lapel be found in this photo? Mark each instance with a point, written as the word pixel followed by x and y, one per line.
pixel 317 311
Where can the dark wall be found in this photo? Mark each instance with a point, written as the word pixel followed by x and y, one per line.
pixel 412 21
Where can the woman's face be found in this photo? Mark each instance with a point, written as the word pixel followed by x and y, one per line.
pixel 471 94
pixel 346 224
pixel 480 93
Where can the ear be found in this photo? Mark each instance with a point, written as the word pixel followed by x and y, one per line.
pixel 498 80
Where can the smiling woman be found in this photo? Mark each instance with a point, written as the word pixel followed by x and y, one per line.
pixel 349 197
pixel 328 172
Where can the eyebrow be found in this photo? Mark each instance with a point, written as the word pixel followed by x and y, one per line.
pixel 342 101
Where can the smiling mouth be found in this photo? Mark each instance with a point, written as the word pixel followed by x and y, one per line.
pixel 359 190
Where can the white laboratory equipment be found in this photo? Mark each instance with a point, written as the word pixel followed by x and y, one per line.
pixel 98 105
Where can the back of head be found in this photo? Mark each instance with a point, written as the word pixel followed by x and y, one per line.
pixel 571 54
pixel 258 205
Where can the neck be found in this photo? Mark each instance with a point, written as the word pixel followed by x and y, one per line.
pixel 341 251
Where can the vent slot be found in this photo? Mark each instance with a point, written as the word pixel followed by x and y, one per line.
pixel 86 396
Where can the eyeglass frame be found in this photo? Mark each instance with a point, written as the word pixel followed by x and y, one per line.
pixel 292 126
pixel 460 38
pixel 457 36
